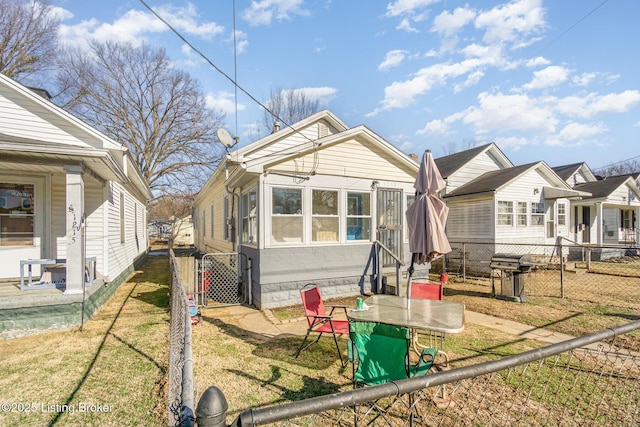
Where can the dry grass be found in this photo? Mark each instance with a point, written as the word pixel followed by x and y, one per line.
pixel 118 360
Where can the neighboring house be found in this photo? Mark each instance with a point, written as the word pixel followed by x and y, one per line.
pixel 307 204
pixel 609 215
pixel 491 201
pixel 183 229
pixel 67 193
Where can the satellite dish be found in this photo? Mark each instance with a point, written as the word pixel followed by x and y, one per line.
pixel 225 137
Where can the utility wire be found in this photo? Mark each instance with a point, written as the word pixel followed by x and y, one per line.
pixel 616 163
pixel 571 27
pixel 233 81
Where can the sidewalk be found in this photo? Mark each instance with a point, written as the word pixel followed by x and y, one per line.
pixel 263 323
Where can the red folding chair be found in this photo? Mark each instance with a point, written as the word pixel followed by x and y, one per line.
pixel 426 290
pixel 432 291
pixel 319 321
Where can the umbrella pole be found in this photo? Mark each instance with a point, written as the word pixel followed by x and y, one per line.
pixel 410 275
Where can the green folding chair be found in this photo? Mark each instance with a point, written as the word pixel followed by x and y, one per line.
pixel 380 353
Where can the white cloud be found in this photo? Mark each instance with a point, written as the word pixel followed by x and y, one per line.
pixel 263 12
pixel 519 112
pixel 576 131
pixel 405 7
pixel 537 61
pixel 223 101
pixel 449 23
pixel 135 24
pixel 513 143
pixel 553 75
pixel 392 59
pixel 511 21
pixel 591 104
pixel 405 25
pixel 402 94
pixel 472 79
pixel 434 127
pixel 322 94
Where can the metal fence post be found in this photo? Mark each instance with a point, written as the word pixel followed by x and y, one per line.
pixel 464 262
pixel 212 408
pixel 561 267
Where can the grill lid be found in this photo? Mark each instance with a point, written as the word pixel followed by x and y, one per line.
pixel 511 262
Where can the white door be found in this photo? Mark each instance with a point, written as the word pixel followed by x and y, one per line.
pixel 22 207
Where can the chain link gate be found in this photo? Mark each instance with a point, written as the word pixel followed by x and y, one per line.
pixel 223 279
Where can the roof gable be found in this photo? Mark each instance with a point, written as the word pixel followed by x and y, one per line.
pixel 605 187
pixel 28 114
pixel 448 165
pixel 573 172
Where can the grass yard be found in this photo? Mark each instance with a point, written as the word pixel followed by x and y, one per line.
pixel 111 373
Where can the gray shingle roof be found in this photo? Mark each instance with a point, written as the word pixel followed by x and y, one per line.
pixel 566 171
pixel 603 188
pixel 451 163
pixel 490 181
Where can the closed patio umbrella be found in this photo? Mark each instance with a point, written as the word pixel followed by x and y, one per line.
pixel 426 218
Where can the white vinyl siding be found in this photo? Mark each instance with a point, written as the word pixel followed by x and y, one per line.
pixel 350 158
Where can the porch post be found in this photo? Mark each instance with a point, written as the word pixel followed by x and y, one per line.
pixel 599 226
pixel 74 230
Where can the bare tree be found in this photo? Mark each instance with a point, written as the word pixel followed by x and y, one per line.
pixel 28 37
pixel 288 105
pixel 135 96
pixel 621 168
pixel 452 147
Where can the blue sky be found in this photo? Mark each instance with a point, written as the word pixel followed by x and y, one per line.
pixel 545 80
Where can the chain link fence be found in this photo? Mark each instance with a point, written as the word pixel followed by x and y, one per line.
pixel 563 270
pixel 591 380
pixel 181 383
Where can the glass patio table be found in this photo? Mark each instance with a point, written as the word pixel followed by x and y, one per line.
pixel 424 314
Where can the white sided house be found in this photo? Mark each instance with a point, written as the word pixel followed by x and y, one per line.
pixel 496 204
pixel 72 213
pixel 307 204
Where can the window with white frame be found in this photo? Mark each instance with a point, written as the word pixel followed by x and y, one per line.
pixel 522 214
pixel 249 217
pixel 17 214
pixel 358 216
pixel 562 214
pixel 122 230
pixel 551 220
pixel 537 214
pixel 325 221
pixel 204 223
pixel 505 212
pixel 225 224
pixel 286 215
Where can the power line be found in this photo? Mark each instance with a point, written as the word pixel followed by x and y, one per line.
pixel 616 163
pixel 571 27
pixel 232 80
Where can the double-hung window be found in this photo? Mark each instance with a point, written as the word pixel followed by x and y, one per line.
pixel 286 215
pixel 358 216
pixel 325 221
pixel 522 214
pixel 562 214
pixel 249 218
pixel 537 214
pixel 505 212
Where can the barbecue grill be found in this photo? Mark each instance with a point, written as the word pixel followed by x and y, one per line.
pixel 513 269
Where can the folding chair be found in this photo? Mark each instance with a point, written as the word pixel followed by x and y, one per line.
pixel 381 353
pixel 432 291
pixel 319 321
